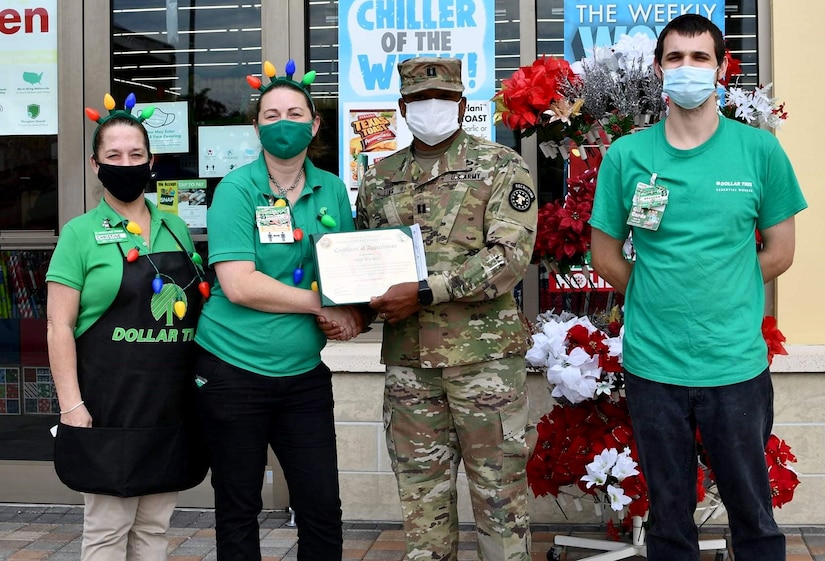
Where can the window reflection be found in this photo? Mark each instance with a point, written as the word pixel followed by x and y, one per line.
pixel 195 51
pixel 28 183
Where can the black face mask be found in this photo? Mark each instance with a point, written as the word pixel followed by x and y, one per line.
pixel 125 183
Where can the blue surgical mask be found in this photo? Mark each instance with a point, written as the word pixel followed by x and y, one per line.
pixel 689 86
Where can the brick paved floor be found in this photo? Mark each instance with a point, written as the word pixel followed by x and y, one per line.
pixel 52 533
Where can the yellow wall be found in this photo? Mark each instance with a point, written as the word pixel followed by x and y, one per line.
pixel 799 81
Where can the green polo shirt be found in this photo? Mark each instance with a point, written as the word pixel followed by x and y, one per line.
pixel 267 343
pixel 95 269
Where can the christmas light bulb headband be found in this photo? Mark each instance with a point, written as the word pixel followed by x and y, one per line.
pixel 125 113
pixel 269 71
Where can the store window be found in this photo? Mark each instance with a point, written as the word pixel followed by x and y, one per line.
pixel 189 59
pixel 28 183
pixel 28 220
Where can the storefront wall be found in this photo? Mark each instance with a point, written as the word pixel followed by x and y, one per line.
pixel 524 29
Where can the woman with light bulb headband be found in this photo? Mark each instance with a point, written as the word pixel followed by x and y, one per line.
pixel 262 379
pixel 125 288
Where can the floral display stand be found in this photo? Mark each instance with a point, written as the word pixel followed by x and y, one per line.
pixel 622 550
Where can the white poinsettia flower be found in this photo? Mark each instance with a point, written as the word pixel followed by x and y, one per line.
pixel 585 321
pixel 538 353
pixel 604 387
pixel 605 56
pixel 637 49
pixel 614 346
pixel 594 476
pixel 575 376
pixel 605 459
pixel 745 112
pixel 737 96
pixel 618 500
pixel 624 467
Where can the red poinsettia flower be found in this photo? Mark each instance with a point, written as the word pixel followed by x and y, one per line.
pixel 700 484
pixel 783 483
pixel 783 479
pixel 564 233
pixel 734 68
pixel 773 337
pixel 777 451
pixel 530 91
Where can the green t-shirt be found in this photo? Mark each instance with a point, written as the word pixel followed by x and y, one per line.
pixel 695 300
pixel 267 343
pixel 95 269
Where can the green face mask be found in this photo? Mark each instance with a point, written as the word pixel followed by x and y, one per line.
pixel 285 139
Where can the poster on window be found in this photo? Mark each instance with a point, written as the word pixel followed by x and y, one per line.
pixel 183 197
pixel 600 23
pixel 222 148
pixel 373 38
pixel 28 67
pixel 168 127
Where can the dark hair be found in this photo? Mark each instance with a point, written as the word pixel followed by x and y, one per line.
pixel 285 85
pixel 691 25
pixel 316 146
pixel 119 121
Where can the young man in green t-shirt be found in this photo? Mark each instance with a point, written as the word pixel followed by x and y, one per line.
pixel 693 189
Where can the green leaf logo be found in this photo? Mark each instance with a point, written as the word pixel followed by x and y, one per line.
pixel 163 303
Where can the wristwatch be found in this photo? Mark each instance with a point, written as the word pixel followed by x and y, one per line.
pixel 425 293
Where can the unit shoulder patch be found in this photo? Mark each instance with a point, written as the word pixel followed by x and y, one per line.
pixel 521 197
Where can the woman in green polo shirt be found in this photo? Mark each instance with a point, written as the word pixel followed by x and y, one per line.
pixel 263 382
pixel 124 294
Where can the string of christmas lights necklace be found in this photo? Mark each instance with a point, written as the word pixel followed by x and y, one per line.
pixel 180 306
pixel 283 191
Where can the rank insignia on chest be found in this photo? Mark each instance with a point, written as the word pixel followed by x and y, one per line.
pixel 521 197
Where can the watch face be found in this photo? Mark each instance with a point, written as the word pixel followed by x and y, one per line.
pixel 425 296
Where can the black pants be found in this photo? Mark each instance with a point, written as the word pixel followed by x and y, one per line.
pixel 735 422
pixel 242 413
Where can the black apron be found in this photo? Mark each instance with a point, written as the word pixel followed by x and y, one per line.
pixel 135 367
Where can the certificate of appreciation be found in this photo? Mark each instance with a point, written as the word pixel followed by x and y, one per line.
pixel 356 266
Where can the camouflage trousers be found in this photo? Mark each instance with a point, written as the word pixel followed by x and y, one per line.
pixel 437 417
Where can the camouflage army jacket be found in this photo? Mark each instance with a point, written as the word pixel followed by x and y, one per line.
pixel 477 211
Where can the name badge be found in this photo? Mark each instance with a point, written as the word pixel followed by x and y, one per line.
pixel 110 235
pixel 274 224
pixel 648 205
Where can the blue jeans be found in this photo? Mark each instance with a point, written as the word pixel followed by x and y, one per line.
pixel 242 413
pixel 735 422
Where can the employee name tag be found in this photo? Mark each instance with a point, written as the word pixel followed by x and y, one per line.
pixel 274 224
pixel 110 235
pixel 648 205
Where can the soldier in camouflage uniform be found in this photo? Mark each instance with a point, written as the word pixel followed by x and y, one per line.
pixel 454 344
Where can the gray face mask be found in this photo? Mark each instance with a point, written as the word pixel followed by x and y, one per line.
pixel 432 120
pixel 689 86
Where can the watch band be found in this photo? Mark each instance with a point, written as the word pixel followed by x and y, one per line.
pixel 425 293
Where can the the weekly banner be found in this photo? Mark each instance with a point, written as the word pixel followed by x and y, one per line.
pixel 600 23
pixel 373 37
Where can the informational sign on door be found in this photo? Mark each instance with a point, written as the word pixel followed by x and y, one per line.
pixel 168 127
pixel 224 148
pixel 28 67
